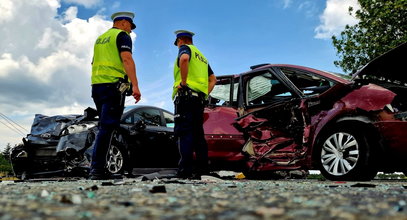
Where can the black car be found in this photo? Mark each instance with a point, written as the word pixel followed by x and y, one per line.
pixel 64 143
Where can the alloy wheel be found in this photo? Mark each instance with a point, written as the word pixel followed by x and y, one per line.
pixel 115 159
pixel 340 153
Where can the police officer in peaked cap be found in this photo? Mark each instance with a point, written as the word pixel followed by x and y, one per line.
pixel 113 68
pixel 193 82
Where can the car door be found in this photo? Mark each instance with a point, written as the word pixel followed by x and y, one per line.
pixel 224 140
pixel 153 145
pixel 275 120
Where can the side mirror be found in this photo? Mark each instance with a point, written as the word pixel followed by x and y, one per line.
pixel 140 125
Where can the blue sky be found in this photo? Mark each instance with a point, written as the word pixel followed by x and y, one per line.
pixel 45 55
pixel 232 34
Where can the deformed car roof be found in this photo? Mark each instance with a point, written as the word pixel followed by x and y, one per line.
pixel 389 65
pixel 329 75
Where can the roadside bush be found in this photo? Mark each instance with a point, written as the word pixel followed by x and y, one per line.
pixel 5 166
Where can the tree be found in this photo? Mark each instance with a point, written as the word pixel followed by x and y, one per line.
pixel 382 26
pixel 6 151
pixel 5 165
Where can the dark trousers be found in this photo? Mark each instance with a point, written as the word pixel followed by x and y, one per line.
pixel 109 104
pixel 189 131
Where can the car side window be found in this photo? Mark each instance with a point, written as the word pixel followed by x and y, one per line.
pixel 265 89
pixel 149 116
pixel 220 95
pixel 132 118
pixel 129 119
pixel 169 119
pixel 308 84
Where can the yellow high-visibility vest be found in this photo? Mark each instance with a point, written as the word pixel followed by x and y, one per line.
pixel 107 66
pixel 197 78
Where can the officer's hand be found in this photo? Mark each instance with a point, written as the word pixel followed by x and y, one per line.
pixel 182 86
pixel 136 94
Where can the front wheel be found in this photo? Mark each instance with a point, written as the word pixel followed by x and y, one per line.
pixel 117 156
pixel 345 154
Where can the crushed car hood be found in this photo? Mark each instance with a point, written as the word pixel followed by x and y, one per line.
pixel 390 65
pixel 46 127
pixel 49 128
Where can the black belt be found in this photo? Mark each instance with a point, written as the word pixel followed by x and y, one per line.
pixel 192 93
pixel 105 84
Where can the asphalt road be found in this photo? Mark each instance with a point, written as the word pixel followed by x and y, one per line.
pixel 209 198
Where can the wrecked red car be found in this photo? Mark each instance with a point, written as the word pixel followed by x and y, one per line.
pixel 287 117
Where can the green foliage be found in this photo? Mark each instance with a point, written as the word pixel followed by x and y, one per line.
pixel 5 164
pixel 390 176
pixel 382 26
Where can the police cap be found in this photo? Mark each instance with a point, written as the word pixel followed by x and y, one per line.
pixel 183 33
pixel 124 15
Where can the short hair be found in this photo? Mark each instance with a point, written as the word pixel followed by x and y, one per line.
pixel 186 38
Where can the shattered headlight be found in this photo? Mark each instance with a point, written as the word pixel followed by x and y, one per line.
pixel 22 154
pixel 73 129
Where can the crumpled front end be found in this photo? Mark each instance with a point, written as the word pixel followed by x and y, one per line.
pixel 75 147
pixel 39 154
pixel 275 144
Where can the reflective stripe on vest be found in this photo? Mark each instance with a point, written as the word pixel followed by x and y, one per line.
pixel 107 65
pixel 197 78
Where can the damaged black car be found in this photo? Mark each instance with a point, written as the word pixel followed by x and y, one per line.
pixel 63 144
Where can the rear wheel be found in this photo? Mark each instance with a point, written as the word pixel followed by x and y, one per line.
pixel 117 156
pixel 345 154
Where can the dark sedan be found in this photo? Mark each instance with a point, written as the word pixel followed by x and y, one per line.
pixel 64 143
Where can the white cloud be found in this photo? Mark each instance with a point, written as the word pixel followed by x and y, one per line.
pixel 70 14
pixel 6 10
pixel 45 61
pixel 335 17
pixel 308 7
pixel 6 64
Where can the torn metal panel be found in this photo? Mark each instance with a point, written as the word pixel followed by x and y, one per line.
pixel 48 129
pixel 78 137
pixel 249 121
pixel 366 98
pixel 276 142
pixel 273 154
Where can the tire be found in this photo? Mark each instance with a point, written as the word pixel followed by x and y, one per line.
pixel 117 159
pixel 345 154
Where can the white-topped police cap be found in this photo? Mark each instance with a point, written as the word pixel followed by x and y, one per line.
pixel 124 15
pixel 181 33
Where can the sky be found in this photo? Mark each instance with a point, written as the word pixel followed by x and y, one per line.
pixel 46 47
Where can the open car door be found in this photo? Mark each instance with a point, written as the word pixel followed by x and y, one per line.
pixel 224 140
pixel 275 120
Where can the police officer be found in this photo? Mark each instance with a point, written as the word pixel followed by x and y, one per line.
pixel 193 81
pixel 112 66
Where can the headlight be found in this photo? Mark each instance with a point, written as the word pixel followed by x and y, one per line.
pixel 73 129
pixel 22 154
